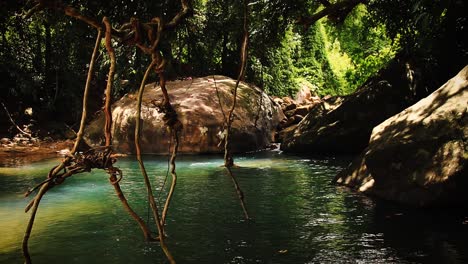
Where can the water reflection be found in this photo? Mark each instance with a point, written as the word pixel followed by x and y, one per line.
pixel 298 217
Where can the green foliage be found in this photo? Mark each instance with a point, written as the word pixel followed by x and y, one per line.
pixel 365 43
pixel 314 63
pixel 336 59
pixel 431 33
pixel 280 73
pixel 44 59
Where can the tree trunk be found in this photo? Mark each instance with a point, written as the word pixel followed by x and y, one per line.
pixel 47 58
pixel 37 61
pixel 224 55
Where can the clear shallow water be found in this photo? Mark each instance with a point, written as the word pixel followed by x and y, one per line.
pixel 298 217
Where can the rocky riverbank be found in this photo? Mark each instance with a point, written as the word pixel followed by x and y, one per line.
pixel 23 150
pixel 419 156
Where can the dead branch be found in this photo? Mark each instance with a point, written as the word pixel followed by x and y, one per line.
pixel 325 3
pixel 339 9
pixel 178 18
pixel 14 123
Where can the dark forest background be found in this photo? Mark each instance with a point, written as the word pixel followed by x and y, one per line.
pixel 44 59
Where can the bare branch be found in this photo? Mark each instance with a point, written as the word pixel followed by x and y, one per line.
pixel 331 10
pixel 13 122
pixel 184 12
pixel 325 3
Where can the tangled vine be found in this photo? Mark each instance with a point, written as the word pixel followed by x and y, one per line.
pixel 145 36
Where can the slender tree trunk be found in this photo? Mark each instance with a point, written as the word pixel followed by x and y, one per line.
pixel 37 61
pixel 47 58
pixel 189 50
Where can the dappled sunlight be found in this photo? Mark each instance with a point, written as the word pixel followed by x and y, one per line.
pixel 439 105
pixel 418 156
pixel 14 219
pixel 202 105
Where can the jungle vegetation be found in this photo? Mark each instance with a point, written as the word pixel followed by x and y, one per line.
pixel 330 46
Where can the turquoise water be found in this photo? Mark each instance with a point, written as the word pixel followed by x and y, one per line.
pixel 298 217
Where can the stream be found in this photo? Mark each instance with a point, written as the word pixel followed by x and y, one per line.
pixel 298 216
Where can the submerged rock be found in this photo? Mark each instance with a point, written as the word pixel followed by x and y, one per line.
pixel 197 103
pixel 419 156
pixel 344 127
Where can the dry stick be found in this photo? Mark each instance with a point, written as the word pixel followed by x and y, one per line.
pixel 107 129
pixel 13 122
pixel 228 160
pixel 184 12
pixel 78 139
pixel 149 190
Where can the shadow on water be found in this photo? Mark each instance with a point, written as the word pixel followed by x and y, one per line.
pixel 298 217
pixel 424 235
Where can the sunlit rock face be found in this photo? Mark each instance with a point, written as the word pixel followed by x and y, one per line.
pixel 344 127
pixel 419 156
pixel 200 104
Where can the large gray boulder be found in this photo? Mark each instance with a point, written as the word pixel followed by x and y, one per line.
pixel 197 103
pixel 346 129
pixel 418 157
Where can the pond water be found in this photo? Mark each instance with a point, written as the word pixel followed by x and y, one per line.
pixel 298 217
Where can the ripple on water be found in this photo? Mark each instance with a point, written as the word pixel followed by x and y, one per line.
pixel 298 217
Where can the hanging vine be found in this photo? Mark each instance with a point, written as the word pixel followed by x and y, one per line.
pixel 228 158
pixel 108 133
pixel 145 36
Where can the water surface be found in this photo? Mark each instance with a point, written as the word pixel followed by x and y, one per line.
pixel 298 217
